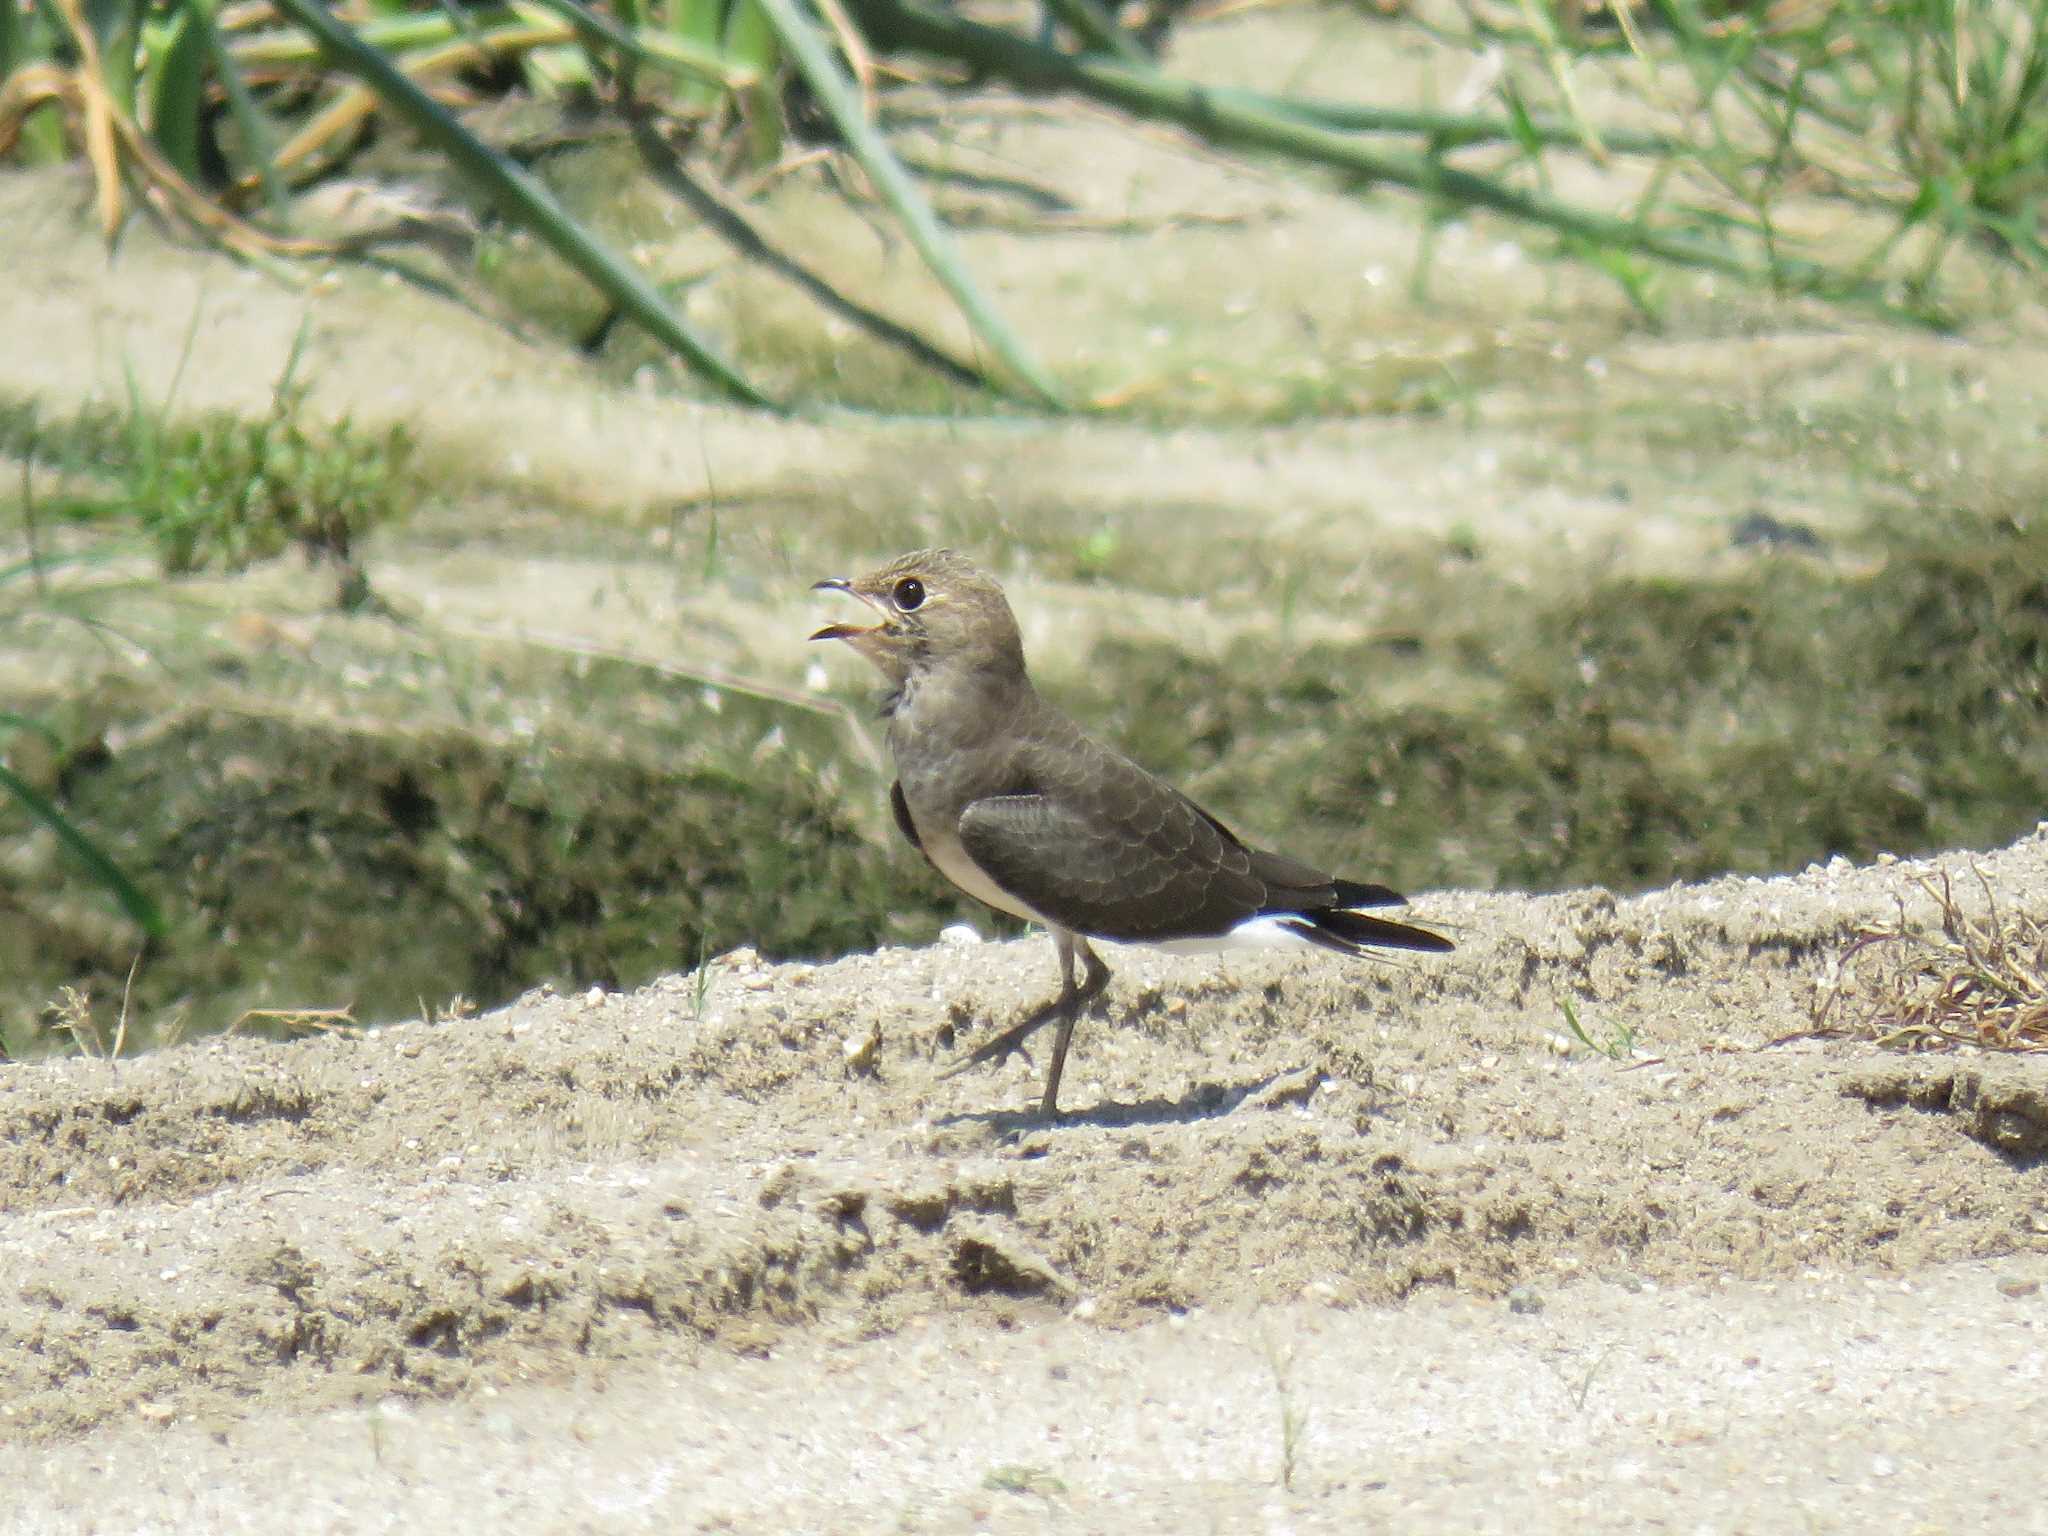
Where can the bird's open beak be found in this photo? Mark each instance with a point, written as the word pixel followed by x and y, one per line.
pixel 841 631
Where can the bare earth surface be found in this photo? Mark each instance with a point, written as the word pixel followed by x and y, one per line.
pixel 1319 1247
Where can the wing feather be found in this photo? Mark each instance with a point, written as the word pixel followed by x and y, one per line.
pixel 1093 842
pixel 1098 844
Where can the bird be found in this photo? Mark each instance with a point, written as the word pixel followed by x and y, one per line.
pixel 1013 803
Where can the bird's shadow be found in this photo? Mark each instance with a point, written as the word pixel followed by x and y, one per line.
pixel 1204 1101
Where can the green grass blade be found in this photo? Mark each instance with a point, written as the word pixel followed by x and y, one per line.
pixel 711 65
pixel 703 20
pixel 1571 1018
pixel 1445 130
pixel 695 24
pixel 36 568
pixel 13 38
pixel 140 909
pixel 1228 121
pixel 751 38
pixel 396 34
pixel 522 196
pixel 1093 24
pixel 15 722
pixel 40 35
pixel 259 144
pixel 403 34
pixel 116 26
pixel 648 44
pixel 800 39
pixel 176 75
pixel 144 430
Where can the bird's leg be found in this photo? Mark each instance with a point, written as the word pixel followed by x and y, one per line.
pixel 1071 1000
pixel 1011 1041
pixel 1066 1007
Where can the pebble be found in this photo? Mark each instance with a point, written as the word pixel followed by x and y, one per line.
pixel 859 1050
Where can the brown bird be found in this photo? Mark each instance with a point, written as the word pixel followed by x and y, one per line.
pixel 1011 802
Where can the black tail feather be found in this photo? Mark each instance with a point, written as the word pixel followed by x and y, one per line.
pixel 1356 893
pixel 1353 933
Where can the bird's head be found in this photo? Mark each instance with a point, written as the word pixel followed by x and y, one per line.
pixel 935 608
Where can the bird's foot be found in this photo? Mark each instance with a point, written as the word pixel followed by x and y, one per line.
pixel 1010 1042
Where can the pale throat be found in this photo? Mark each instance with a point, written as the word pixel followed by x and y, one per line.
pixel 954 706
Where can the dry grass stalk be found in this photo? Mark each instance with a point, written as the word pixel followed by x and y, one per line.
pixel 338 1021
pixel 71 1014
pixel 1982 981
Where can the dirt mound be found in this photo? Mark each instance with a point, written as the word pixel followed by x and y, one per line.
pixel 437 1209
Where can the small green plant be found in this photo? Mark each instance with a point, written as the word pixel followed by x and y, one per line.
pixel 223 492
pixel 1293 1417
pixel 1617 1044
pixel 220 491
pixel 700 980
pixel 1096 554
pixel 1581 1387
pixel 1023 1480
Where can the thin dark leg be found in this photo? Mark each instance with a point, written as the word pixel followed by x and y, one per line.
pixel 1066 1008
pixel 1071 1001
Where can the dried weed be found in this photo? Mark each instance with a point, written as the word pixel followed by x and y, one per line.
pixel 1981 982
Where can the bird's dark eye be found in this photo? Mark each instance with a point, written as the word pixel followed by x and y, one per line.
pixel 909 594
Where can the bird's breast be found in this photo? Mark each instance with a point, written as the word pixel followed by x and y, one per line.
pixel 955 742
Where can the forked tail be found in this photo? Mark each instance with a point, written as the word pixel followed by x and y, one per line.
pixel 1354 933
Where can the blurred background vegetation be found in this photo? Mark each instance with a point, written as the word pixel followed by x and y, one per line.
pixel 215 805
pixel 1928 117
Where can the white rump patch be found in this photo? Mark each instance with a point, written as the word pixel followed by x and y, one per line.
pixel 1268 932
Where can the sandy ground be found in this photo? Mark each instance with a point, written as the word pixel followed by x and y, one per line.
pixel 1319 1246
